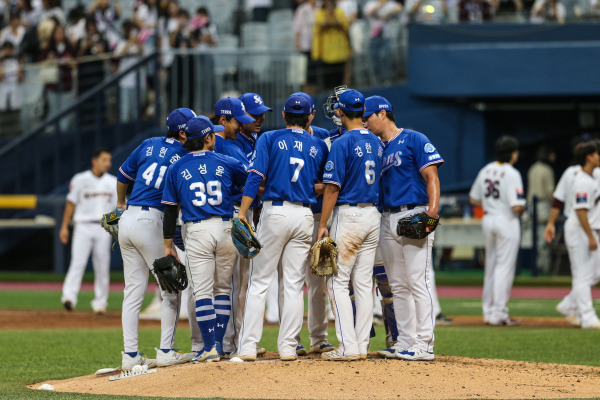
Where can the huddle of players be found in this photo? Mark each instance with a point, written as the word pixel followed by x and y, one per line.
pixel 369 177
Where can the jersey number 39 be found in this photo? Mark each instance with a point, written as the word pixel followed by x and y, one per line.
pixel 212 188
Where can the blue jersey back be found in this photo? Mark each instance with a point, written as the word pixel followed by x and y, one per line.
pixel 246 143
pixel 202 182
pixel 292 161
pixel 232 149
pixel 336 133
pixel 354 164
pixel 404 157
pixel 321 133
pixel 147 166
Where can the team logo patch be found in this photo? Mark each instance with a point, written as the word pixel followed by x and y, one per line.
pixel 329 166
pixel 429 148
pixel 580 197
pixel 520 194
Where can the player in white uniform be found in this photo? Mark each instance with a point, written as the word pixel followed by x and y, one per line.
pixel 290 162
pixel 581 233
pixel 409 185
pixel 498 188
pixel 202 183
pixel 141 238
pixel 352 176
pixel 91 194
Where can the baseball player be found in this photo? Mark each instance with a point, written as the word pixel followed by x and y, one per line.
pixel 409 185
pixel 352 192
pixel 202 183
pixel 498 188
pixel 141 239
pixel 91 194
pixel 581 233
pixel 290 162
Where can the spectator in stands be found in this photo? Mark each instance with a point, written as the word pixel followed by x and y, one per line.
pixel 476 11
pixel 380 14
pixel 106 13
pixel 76 26
pixel 129 51
pixel 548 11
pixel 172 16
pixel 91 69
pixel 427 11
pixel 540 182
pixel 13 32
pixel 53 9
pixel 59 53
pixel 350 8
pixel 44 31
pixel 30 12
pixel 203 30
pixel 304 25
pixel 205 35
pixel 331 46
pixel 11 75
pixel 146 17
pixel 259 9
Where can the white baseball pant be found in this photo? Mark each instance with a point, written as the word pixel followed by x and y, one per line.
pixel 502 237
pixel 356 232
pixel 187 296
pixel 286 231
pixel 89 237
pixel 141 241
pixel 408 268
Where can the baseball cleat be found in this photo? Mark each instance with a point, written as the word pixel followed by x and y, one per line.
pixel 260 351
pixel 68 305
pixel 171 357
pixel 99 311
pixel 290 357
pixel 321 348
pixel 596 325
pixel 247 357
pixel 390 352
pixel 442 320
pixel 129 362
pixel 209 356
pixel 414 354
pixel 300 350
pixel 505 322
pixel 363 356
pixel 338 355
pixel 573 320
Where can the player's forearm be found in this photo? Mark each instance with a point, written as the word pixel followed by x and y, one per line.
pixel 553 215
pixel 475 203
pixel 68 215
pixel 122 194
pixel 582 216
pixel 330 196
pixel 245 206
pixel 433 188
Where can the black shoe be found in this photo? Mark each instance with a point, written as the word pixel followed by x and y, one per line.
pixel 441 319
pixel 68 305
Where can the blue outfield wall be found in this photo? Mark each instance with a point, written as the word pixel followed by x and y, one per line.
pixel 503 60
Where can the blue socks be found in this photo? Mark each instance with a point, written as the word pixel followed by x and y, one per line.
pixel 132 354
pixel 223 310
pixel 206 318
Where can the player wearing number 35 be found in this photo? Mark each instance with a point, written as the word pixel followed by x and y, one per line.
pixel 290 161
pixel 499 190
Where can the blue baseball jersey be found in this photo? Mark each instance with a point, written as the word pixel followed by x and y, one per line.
pixel 231 149
pixel 354 164
pixel 202 183
pixel 146 167
pixel 404 157
pixel 292 161
pixel 336 133
pixel 246 143
pixel 321 133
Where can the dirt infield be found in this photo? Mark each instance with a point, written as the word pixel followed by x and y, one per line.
pixel 445 378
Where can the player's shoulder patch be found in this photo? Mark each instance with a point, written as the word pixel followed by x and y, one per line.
pixel 429 148
pixel 329 166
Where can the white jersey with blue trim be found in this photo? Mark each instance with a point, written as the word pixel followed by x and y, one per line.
pixel 147 166
pixel 404 157
pixel 498 187
pixel 354 164
pixel 202 183
pixel 292 161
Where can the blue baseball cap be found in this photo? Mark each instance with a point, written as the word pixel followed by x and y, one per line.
pixel 375 104
pixel 254 104
pixel 177 119
pixel 351 100
pixel 308 97
pixel 200 126
pixel 297 104
pixel 233 107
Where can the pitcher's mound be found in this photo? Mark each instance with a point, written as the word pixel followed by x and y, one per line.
pixel 445 378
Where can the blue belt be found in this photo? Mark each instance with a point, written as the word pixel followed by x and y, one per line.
pixel 214 216
pixel 405 207
pixel 355 204
pixel 280 203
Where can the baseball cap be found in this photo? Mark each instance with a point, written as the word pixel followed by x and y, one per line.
pixel 351 100
pixel 200 126
pixel 375 104
pixel 297 104
pixel 254 104
pixel 177 119
pixel 233 107
pixel 308 97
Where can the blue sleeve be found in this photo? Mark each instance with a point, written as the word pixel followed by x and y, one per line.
pixel 325 151
pixel 424 152
pixel 128 171
pixel 335 168
pixel 252 184
pixel 240 173
pixel 260 159
pixel 170 195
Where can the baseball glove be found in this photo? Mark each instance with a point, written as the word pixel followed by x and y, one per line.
pixel 415 226
pixel 110 222
pixel 323 257
pixel 244 239
pixel 170 274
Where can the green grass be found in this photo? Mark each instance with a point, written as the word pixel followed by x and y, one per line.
pixel 517 307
